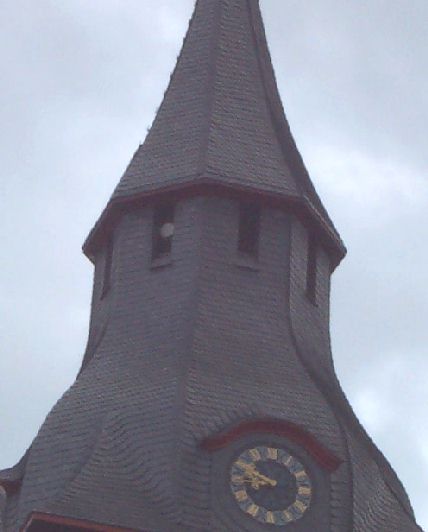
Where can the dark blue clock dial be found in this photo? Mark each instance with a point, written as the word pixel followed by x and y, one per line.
pixel 276 497
pixel 270 485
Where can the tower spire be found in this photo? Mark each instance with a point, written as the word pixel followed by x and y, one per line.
pixel 222 123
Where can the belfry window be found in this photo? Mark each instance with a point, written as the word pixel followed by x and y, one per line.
pixel 108 261
pixel 311 272
pixel 249 229
pixel 163 229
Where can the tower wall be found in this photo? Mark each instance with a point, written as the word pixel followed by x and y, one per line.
pixel 310 321
pixel 179 350
pixel 221 323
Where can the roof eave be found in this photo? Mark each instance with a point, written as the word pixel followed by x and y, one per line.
pixel 52 519
pixel 299 205
pixel 11 479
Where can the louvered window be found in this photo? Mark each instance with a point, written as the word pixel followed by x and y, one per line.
pixel 163 230
pixel 311 274
pixel 108 260
pixel 249 229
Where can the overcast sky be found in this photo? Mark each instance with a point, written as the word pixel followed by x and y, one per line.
pixel 80 81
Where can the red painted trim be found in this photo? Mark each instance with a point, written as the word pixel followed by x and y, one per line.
pixel 323 456
pixel 207 186
pixel 37 518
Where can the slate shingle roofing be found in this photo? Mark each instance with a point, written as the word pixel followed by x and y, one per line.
pixel 222 120
pixel 205 343
pixel 217 119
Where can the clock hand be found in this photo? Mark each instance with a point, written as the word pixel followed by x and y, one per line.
pixel 250 469
pixel 264 480
pixel 256 483
pixel 256 478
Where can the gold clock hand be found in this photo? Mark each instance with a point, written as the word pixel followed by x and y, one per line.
pixel 256 478
pixel 254 472
pixel 264 480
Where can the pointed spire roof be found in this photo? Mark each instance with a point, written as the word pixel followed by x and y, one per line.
pixel 222 120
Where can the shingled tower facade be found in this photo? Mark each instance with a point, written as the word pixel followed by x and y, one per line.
pixel 207 398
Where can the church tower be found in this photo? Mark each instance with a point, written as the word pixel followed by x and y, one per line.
pixel 207 398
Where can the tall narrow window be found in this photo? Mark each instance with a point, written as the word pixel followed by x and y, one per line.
pixel 249 229
pixel 108 260
pixel 311 273
pixel 163 230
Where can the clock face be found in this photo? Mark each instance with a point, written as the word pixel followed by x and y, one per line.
pixel 270 485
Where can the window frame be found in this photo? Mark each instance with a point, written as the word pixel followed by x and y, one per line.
pixel 312 269
pixel 107 266
pixel 163 213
